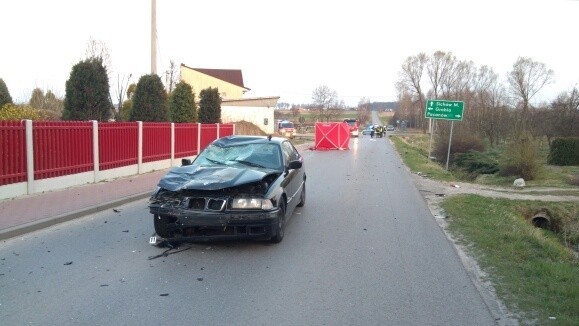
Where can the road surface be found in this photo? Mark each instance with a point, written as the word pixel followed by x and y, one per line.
pixel 365 250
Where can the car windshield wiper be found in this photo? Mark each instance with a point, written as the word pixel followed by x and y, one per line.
pixel 250 163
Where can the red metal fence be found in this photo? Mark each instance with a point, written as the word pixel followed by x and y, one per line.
pixel 62 147
pixel 186 139
pixel 118 144
pixel 12 152
pixel 156 141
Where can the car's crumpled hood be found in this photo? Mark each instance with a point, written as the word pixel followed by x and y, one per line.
pixel 211 177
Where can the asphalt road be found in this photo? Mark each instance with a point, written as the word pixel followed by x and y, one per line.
pixel 364 250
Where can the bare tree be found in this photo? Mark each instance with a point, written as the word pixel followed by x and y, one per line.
pixel 489 111
pixel 172 76
pixel 526 79
pixel 364 107
pixel 410 79
pixel 324 99
pixel 37 99
pixel 122 87
pixel 410 83
pixel 566 114
pixel 437 67
pixel 52 103
pixel 98 49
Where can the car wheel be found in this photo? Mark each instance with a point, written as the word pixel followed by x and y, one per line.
pixel 160 223
pixel 279 228
pixel 303 196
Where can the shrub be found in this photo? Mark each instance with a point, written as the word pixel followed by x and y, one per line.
pixel 87 92
pixel 150 100
pixel 476 163
pixel 209 106
pixel 521 160
pixel 182 106
pixel 463 144
pixel 18 112
pixel 564 151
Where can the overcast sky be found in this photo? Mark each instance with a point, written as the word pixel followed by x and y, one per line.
pixel 286 48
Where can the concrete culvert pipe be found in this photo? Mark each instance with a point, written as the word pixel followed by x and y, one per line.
pixel 541 219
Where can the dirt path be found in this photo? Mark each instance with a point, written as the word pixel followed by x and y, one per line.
pixel 435 191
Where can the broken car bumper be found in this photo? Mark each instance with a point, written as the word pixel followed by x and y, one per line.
pixel 188 225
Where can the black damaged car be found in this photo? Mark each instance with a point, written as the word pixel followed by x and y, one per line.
pixel 238 187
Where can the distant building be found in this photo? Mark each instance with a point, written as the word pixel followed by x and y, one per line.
pixel 257 110
pixel 228 81
pixel 234 107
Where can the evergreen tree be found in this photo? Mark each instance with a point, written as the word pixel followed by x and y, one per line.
pixel 182 104
pixel 5 97
pixel 209 106
pixel 87 92
pixel 150 100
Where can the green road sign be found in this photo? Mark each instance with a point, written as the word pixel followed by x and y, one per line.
pixel 445 110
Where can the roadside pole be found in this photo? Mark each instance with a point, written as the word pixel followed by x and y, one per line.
pixel 431 129
pixel 449 141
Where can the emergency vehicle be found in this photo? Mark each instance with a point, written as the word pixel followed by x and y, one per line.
pixel 352 126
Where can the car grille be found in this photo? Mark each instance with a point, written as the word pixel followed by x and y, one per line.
pixel 211 204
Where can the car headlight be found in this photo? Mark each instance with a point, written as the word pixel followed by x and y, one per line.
pixel 251 203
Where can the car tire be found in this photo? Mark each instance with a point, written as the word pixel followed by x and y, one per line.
pixel 160 223
pixel 279 228
pixel 303 196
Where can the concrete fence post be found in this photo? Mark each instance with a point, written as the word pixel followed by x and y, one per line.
pixel 172 143
pixel 95 151
pixel 29 157
pixel 198 138
pixel 140 147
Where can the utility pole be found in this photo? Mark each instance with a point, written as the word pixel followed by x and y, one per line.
pixel 153 37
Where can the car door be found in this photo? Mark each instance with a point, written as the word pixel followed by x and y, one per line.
pixel 294 177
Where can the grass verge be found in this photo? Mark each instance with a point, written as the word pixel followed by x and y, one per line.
pixel 415 157
pixel 533 273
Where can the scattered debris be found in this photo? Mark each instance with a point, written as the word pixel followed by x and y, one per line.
pixel 116 210
pixel 455 186
pixel 168 251
pixel 68 263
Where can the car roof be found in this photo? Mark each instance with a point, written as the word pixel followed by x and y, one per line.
pixel 246 139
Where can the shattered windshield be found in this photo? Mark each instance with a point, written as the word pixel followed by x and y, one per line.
pixel 264 155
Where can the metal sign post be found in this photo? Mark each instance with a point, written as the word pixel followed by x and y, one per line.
pixel 449 141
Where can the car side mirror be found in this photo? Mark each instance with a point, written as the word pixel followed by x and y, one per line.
pixel 185 161
pixel 296 164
